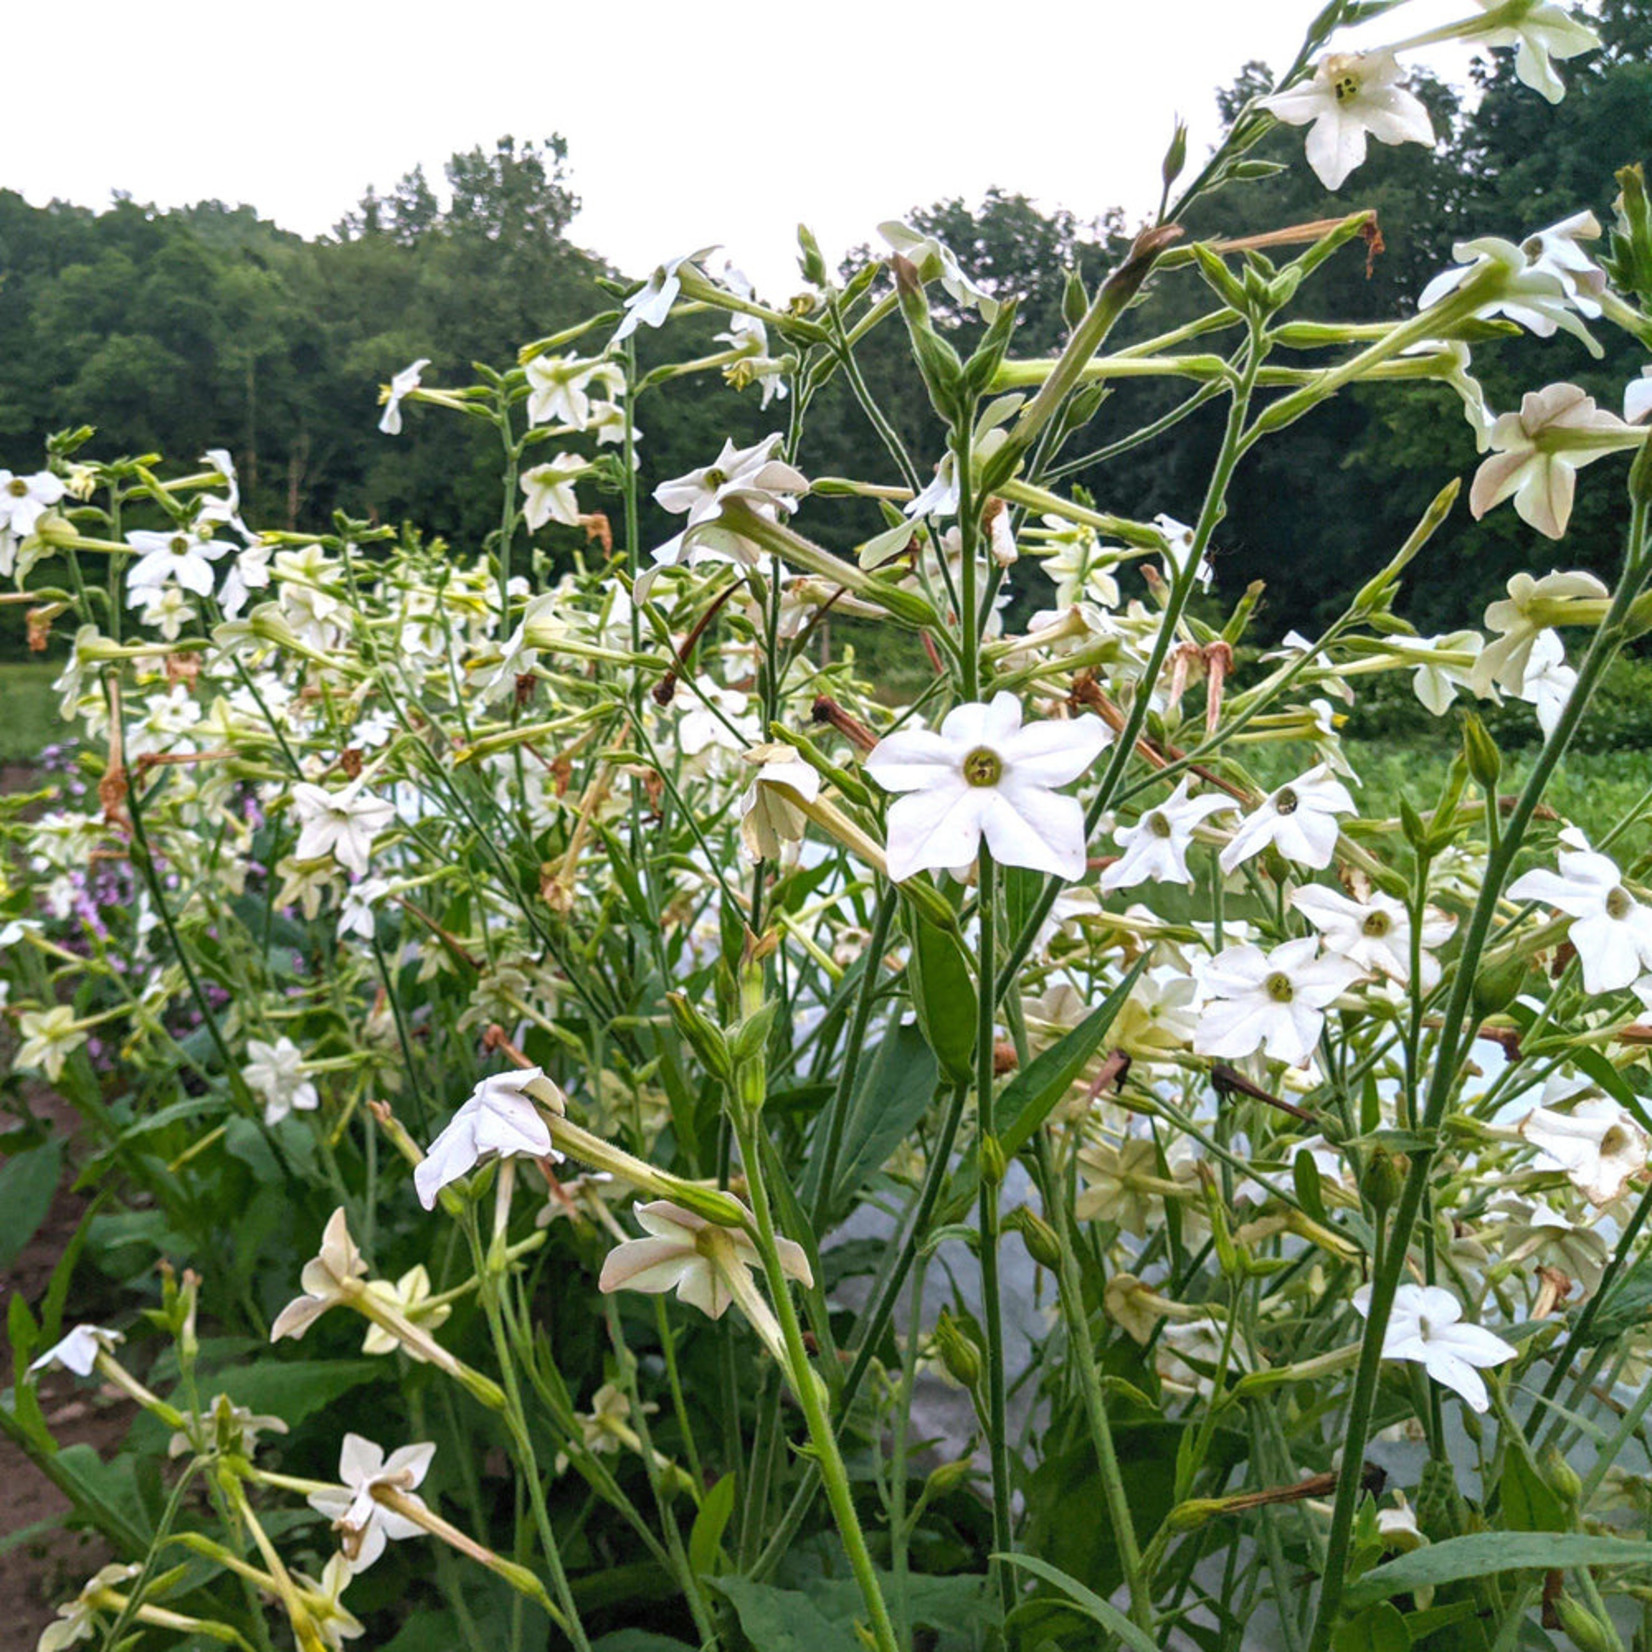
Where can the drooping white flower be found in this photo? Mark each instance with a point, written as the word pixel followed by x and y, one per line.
pixel 769 809
pixel 25 499
pixel 752 473
pixel 342 824
pixel 1549 680
pixel 1530 608
pixel 180 554
pixel 1611 931
pixel 1269 1001
pixel 651 303
pixel 50 1037
pixel 358 911
pixel 1532 297
pixel 401 386
pixel 78 1351
pixel 329 1277
pixel 1597 1144
pixel 1374 933
pixel 1637 397
pixel 1179 537
pixel 77 1619
pixel 499 1117
pixel 408 1297
pixel 275 1073
pixel 1351 94
pixel 559 387
pixel 676 1256
pixel 1299 819
pixel 1155 848
pixel 1540 32
pixel 1426 1326
pixel 1538 452
pixel 984 775
pixel 549 491
pixel 933 259
pixel 1436 679
pixel 939 496
pixel 362 1522
pixel 1556 251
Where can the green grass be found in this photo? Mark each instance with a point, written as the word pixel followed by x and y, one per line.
pixel 28 709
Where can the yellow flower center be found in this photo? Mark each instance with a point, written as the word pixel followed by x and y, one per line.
pixel 1158 825
pixel 1345 87
pixel 1279 987
pixel 17 488
pixel 1377 924
pixel 983 767
pixel 179 545
pixel 1284 801
pixel 1620 903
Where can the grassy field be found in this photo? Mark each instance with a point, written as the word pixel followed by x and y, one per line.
pixel 28 709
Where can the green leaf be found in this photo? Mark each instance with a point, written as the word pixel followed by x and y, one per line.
pixel 894 1092
pixel 1527 1503
pixel 785 1620
pixel 943 994
pixel 1378 1628
pixel 706 1539
pixel 1484 1552
pixel 1088 1602
pixel 294 1389
pixel 27 1183
pixel 639 1640
pixel 1305 1173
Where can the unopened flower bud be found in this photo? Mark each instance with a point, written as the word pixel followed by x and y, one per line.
pixel 958 1352
pixel 1385 1175
pixel 1562 1478
pixel 811 261
pixel 947 1478
pixel 1586 1631
pixel 1175 157
pixel 1485 761
pixel 1498 985
pixel 994 1166
pixel 1037 1235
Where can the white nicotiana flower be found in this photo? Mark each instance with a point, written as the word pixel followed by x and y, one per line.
pixel 1556 250
pixel 408 1297
pixel 401 386
pixel 939 496
pixel 752 473
pixel 25 499
pixel 499 1117
pixel 1269 1001
pixel 1531 297
pixel 1538 452
pixel 559 386
pixel 275 1073
pixel 1637 398
pixel 77 1619
pixel 1520 618
pixel 1081 566
pixel 983 775
pixel 1299 819
pixel 1351 94
pixel 50 1037
pixel 1374 933
pixel 358 911
pixel 651 303
pixel 329 1277
pixel 78 1351
pixel 548 491
pixel 179 554
pixel 1539 31
pixel 167 609
pixel 769 809
pixel 933 259
pixel 1549 680
pixel 1155 848
pixel 362 1522
pixel 1426 1326
pixel 691 1256
pixel 1598 1145
pixel 1437 679
pixel 342 824
pixel 1611 931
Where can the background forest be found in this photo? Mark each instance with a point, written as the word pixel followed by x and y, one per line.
pixel 209 326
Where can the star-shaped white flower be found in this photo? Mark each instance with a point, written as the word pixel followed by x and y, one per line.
pixel 1557 250
pixel 50 1037
pixel 401 386
pixel 984 775
pixel 500 1117
pixel 691 1256
pixel 342 824
pixel 275 1073
pixel 1155 848
pixel 1549 680
pixel 549 491
pixel 329 1277
pixel 78 1351
pixel 651 303
pixel 751 472
pixel 408 1297
pixel 1299 819
pixel 358 911
pixel 1350 95
pixel 362 1522
pixel 1597 1144
pixel 935 260
pixel 558 387
pixel 1374 933
pixel 77 1620
pixel 1637 397
pixel 1530 295
pixel 1540 32
pixel 770 814
pixel 1611 931
pixel 1426 1326
pixel 180 554
pixel 1269 1001
pixel 1529 609
pixel 1538 452
pixel 25 499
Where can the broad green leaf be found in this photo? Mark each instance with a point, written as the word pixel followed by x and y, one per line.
pixel 294 1389
pixel 1378 1628
pixel 1305 1174
pixel 897 1084
pixel 1527 1503
pixel 943 994
pixel 786 1620
pixel 706 1539
pixel 27 1183
pixel 1086 1600
pixel 1484 1552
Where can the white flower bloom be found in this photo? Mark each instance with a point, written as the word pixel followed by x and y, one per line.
pixel 675 1257
pixel 1155 848
pixel 77 1619
pixel 1351 94
pixel 402 385
pixel 25 499
pixel 329 1277
pixel 939 497
pixel 1538 452
pixel 78 1351
pixel 933 260
pixel 1299 820
pixel 1082 567
pixel 1436 680
pixel 1637 397
pixel 1527 611
pixel 498 1118
pixel 1598 1145
pixel 166 608
pixel 1555 250
pixel 1610 931
pixel 361 1521
pixel 1179 535
pixel 769 811
pixel 651 303
pixel 558 387
pixel 358 911
pixel 50 1037
pixel 752 473
pixel 1539 32
pixel 275 1072
pixel 407 1296
pixel 1425 1326
pixel 342 824
pixel 984 775
pixel 1549 680
pixel 1374 933
pixel 549 491
pixel 1269 1001
pixel 1532 297
pixel 179 554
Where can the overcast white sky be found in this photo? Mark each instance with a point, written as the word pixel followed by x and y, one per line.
pixel 687 124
